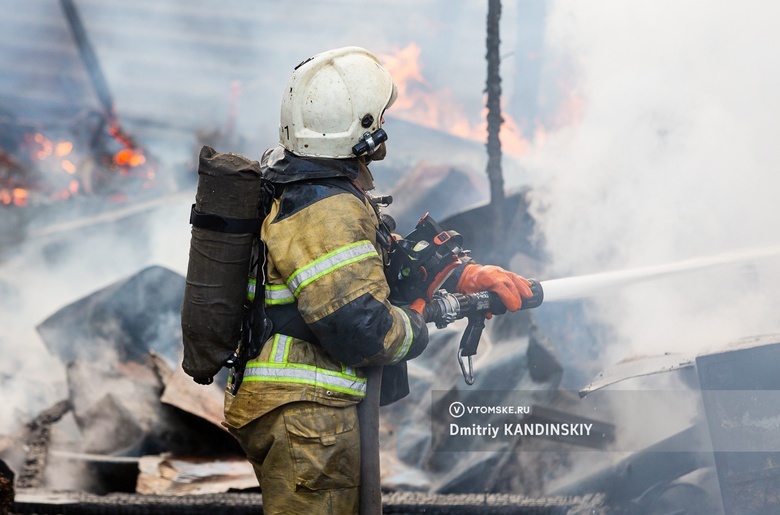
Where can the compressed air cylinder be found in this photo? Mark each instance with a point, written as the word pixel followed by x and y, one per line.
pixel 229 188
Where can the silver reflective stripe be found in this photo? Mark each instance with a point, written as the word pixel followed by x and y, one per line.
pixel 306 374
pixel 408 337
pixel 330 262
pixel 350 371
pixel 251 288
pixel 281 348
pixel 278 294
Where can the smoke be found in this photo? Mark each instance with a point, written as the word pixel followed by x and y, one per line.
pixel 42 276
pixel 170 70
pixel 666 155
pixel 672 157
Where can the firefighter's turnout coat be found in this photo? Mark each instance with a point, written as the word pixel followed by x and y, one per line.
pixel 323 258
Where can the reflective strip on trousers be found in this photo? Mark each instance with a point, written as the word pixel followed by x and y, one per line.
pixel 329 262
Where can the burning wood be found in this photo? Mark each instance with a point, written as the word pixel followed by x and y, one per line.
pixel 84 157
pixel 52 166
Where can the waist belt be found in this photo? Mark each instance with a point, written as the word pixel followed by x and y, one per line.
pixel 287 320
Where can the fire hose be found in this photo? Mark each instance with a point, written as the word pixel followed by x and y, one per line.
pixel 443 309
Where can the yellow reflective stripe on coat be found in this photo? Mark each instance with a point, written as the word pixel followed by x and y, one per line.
pixel 305 374
pixel 408 338
pixel 281 348
pixel 276 294
pixel 331 261
pixel 281 371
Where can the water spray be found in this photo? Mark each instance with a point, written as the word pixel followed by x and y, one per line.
pixel 447 307
pixel 577 287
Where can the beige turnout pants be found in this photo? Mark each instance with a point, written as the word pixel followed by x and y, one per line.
pixel 306 457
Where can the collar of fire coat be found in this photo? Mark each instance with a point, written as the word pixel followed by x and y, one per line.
pixel 283 167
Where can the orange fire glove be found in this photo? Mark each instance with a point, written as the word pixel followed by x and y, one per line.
pixel 421 307
pixel 510 287
pixel 418 306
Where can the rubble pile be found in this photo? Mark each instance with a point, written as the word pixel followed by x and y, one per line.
pixel 144 426
pixel 6 488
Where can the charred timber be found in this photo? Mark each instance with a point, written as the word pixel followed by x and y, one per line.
pixel 6 488
pixel 88 55
pixel 494 121
pixel 37 443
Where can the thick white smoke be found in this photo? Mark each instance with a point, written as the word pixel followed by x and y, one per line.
pixel 191 94
pixel 673 157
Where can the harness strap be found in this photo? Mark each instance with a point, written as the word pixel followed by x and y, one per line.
pixel 223 224
pixel 287 320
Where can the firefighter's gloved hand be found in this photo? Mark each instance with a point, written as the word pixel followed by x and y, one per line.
pixel 424 309
pixel 203 380
pixel 510 287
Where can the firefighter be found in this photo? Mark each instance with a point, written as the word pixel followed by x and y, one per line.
pixel 295 413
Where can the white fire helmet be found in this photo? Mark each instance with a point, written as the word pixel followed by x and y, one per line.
pixel 332 100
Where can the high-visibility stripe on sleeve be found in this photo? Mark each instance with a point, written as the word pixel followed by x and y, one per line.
pixel 408 337
pixel 331 261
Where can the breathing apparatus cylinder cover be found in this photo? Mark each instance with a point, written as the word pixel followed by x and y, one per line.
pixel 331 100
pixel 226 223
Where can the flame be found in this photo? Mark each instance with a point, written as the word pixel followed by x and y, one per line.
pixel 63 148
pixel 419 102
pixel 44 148
pixel 55 163
pixel 129 157
pixel 68 166
pixel 14 196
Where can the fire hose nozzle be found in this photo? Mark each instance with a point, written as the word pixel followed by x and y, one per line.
pixel 537 299
pixel 448 307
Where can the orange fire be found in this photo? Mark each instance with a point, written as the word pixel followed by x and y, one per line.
pixel 14 196
pixel 419 102
pixel 63 148
pixel 58 172
pixel 129 157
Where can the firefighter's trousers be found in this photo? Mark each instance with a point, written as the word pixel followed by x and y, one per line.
pixel 306 457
